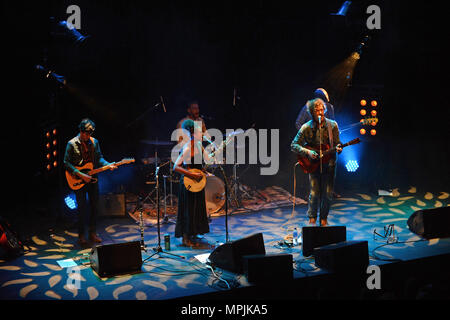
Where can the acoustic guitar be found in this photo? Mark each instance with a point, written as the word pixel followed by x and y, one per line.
pixel 310 165
pixel 76 183
pixel 197 186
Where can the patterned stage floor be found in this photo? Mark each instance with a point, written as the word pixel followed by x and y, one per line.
pixel 37 276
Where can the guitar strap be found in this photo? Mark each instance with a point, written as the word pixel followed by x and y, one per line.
pixel 330 134
pixel 92 150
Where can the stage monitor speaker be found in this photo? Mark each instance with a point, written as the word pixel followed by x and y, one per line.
pixel 270 268
pixel 117 258
pixel 313 237
pixel 112 205
pixel 229 255
pixel 346 256
pixel 431 223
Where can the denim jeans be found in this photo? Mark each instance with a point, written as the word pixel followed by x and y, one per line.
pixel 321 191
pixel 91 191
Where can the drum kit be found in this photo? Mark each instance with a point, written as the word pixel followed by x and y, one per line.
pixel 215 195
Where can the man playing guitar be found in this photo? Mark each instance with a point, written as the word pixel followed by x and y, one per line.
pixel 80 150
pixel 313 138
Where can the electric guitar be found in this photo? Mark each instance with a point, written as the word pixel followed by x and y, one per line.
pixel 310 165
pixel 76 182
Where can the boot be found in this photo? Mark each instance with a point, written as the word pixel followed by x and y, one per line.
pixel 82 241
pixel 94 238
pixel 312 221
pixel 186 241
pixel 323 222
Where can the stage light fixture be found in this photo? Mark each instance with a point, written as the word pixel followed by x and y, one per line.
pixel 362 131
pixel 50 147
pixel 363 103
pixel 373 132
pixel 374 103
pixel 71 201
pixel 49 74
pixel 352 165
pixel 363 112
pixel 70 31
pixel 355 56
pixel 343 9
pixel 373 113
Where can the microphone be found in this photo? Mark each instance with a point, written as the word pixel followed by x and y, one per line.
pixel 157 169
pixel 162 102
pixel 206 117
pixel 320 118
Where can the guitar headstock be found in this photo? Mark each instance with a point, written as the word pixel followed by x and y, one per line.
pixel 354 141
pixel 368 121
pixel 127 160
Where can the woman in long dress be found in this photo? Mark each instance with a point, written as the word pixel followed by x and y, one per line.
pixel 192 219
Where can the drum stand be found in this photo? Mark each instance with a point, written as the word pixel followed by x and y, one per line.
pixel 169 196
pixel 236 190
pixel 158 248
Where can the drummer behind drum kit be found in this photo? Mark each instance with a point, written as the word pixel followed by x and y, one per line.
pixel 214 187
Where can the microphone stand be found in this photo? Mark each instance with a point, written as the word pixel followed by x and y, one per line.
pixel 226 203
pixel 158 249
pixel 321 169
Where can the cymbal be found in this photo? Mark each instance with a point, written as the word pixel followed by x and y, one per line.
pixel 158 142
pixel 153 160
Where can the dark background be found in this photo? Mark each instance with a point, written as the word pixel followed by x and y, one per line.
pixel 274 52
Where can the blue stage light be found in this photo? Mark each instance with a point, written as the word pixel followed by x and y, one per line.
pixel 71 202
pixel 352 166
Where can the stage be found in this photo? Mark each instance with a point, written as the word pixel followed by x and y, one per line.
pixel 408 267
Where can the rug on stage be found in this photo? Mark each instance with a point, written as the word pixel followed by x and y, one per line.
pixel 38 275
pixel 250 200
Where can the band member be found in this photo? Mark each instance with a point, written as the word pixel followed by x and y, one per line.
pixel 192 217
pixel 193 113
pixel 304 116
pixel 313 133
pixel 80 150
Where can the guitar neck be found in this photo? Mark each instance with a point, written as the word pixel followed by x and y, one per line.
pixel 98 170
pixel 104 168
pixel 206 166
pixel 334 148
